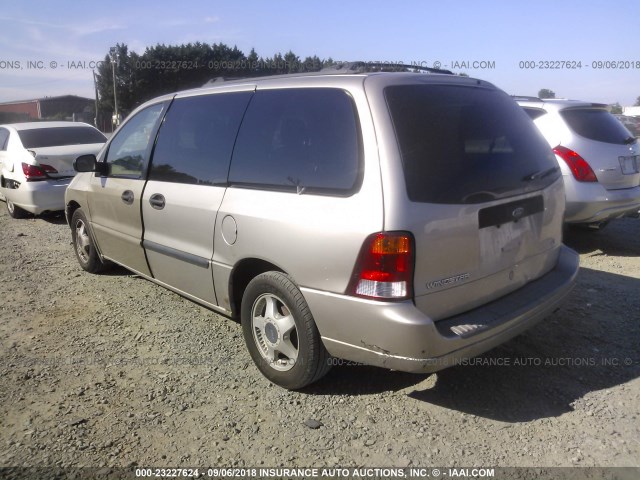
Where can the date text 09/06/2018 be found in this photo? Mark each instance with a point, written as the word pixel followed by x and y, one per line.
pixel 579 65
pixel 320 473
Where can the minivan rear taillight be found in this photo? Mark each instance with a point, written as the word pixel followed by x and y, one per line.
pixel 581 170
pixel 37 172
pixel 384 269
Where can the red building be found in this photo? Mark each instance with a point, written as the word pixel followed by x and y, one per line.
pixel 66 107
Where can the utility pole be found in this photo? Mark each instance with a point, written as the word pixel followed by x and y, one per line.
pixel 113 54
pixel 95 87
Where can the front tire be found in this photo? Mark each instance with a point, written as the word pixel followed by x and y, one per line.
pixel 280 332
pixel 83 244
pixel 14 210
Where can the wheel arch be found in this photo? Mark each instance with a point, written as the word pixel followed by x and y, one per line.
pixel 69 210
pixel 243 272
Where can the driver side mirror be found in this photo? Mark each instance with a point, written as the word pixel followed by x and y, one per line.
pixel 89 163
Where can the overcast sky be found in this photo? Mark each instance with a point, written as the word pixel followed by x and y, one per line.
pixel 502 34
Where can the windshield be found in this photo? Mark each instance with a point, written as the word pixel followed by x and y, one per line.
pixel 463 144
pixel 60 136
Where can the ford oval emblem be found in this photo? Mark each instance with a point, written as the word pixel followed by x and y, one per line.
pixel 517 213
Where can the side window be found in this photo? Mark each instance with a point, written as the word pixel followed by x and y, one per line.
pixel 304 140
pixel 4 137
pixel 129 150
pixel 196 139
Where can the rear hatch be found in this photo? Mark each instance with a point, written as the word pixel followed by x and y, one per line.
pixel 62 158
pixel 485 195
pixel 606 145
pixel 58 147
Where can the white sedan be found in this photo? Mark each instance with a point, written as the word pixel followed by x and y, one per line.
pixel 36 163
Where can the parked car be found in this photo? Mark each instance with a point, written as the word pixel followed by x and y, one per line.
pixel 401 220
pixel 598 156
pixel 631 123
pixel 36 163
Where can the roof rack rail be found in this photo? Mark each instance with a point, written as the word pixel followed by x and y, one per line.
pixel 365 67
pixel 336 69
pixel 526 98
pixel 218 80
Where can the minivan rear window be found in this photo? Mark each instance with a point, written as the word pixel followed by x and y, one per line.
pixel 596 124
pixel 462 144
pixel 60 136
pixel 303 140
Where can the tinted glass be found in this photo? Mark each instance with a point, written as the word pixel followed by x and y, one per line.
pixel 196 139
pixel 467 145
pixel 304 140
pixel 596 124
pixel 60 136
pixel 4 136
pixel 129 149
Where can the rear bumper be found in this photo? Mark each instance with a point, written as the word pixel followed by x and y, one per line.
pixel 399 336
pixel 591 202
pixel 39 197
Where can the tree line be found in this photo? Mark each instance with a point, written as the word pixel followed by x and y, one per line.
pixel 168 68
pixel 163 69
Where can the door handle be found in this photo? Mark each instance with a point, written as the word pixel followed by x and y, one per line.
pixel 127 197
pixel 157 201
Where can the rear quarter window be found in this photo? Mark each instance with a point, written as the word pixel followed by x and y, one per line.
pixel 4 138
pixel 304 140
pixel 462 144
pixel 596 124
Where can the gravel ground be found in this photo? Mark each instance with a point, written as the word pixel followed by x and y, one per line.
pixel 113 370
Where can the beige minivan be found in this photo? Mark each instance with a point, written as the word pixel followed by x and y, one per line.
pixel 403 220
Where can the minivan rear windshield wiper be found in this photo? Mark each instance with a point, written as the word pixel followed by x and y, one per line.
pixel 298 184
pixel 629 140
pixel 540 174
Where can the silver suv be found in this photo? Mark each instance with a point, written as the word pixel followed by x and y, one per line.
pixel 598 156
pixel 402 220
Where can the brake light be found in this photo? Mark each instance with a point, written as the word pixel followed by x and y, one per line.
pixel 580 169
pixel 48 168
pixel 384 269
pixel 37 172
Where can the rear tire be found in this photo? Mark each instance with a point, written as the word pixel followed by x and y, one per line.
pixel 83 244
pixel 280 332
pixel 14 210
